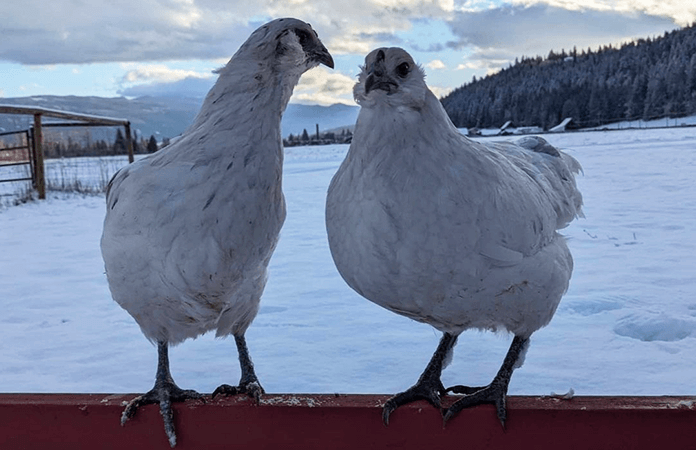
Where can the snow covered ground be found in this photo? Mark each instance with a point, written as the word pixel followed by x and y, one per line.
pixel 655 123
pixel 624 125
pixel 626 327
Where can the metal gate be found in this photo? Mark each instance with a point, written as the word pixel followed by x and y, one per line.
pixel 16 153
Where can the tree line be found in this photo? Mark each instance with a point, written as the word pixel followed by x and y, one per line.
pixel 645 79
pixel 329 137
pixel 69 147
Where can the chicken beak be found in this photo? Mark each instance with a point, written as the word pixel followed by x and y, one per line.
pixel 377 77
pixel 322 55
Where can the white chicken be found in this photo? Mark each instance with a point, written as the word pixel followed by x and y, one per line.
pixel 445 230
pixel 189 231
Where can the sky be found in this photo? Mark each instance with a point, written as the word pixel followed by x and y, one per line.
pixel 131 48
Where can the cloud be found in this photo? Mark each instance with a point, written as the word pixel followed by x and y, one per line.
pixel 431 48
pixel 503 33
pixel 324 87
pixel 318 86
pixel 492 33
pixel 469 66
pixel 159 80
pixel 193 87
pixel 160 73
pixel 66 31
pixel 681 12
pixel 440 91
pixel 436 64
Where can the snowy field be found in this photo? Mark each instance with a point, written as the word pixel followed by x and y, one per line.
pixel 626 327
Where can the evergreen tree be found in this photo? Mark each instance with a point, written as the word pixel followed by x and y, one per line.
pixel 656 98
pixel 152 144
pixel 136 146
pixel 636 102
pixel 120 143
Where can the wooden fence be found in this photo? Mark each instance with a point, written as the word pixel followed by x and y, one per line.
pixel 75 119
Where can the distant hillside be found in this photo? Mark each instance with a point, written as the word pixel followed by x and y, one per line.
pixel 646 79
pixel 166 117
pixel 158 116
pixel 298 118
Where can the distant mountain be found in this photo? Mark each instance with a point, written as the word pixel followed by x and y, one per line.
pixel 167 116
pixel 158 116
pixel 298 118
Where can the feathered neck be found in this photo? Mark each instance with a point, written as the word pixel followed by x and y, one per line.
pixel 247 87
pixel 386 133
pixel 429 117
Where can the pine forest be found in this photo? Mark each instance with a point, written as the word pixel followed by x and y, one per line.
pixel 645 79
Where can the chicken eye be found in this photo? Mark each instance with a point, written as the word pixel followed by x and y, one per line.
pixel 402 70
pixel 303 36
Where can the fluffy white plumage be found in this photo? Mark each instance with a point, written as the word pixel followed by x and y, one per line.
pixel 442 229
pixel 189 231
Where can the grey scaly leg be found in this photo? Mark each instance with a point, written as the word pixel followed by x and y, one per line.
pixel 429 387
pixel 164 393
pixel 249 383
pixel 495 392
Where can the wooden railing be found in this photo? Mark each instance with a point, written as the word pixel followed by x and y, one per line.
pixel 38 113
pixel 284 421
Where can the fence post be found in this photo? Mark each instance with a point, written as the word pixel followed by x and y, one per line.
pixel 38 152
pixel 129 142
pixel 32 156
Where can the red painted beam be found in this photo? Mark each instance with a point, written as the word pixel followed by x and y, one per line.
pixel 284 421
